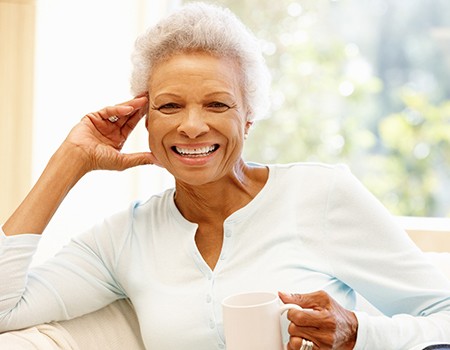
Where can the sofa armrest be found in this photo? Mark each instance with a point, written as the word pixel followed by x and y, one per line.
pixel 114 327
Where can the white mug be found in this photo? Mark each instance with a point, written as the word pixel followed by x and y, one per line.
pixel 252 321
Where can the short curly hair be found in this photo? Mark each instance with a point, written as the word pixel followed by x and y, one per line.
pixel 211 29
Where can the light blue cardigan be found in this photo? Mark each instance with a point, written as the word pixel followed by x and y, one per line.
pixel 311 227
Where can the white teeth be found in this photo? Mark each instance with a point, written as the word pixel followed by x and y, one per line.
pixel 195 151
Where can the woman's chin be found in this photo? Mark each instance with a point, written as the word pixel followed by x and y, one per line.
pixel 194 178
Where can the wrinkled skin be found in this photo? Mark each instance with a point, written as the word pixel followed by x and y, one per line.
pixel 324 322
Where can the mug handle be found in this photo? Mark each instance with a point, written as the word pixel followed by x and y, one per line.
pixel 286 307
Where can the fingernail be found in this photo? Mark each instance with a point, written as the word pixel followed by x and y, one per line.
pixel 144 94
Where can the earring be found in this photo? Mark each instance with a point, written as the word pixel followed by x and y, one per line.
pixel 245 136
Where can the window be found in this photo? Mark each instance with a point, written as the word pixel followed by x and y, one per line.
pixel 355 81
pixel 83 51
pixel 360 82
pixel 16 90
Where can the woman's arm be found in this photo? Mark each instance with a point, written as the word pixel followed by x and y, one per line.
pixel 78 279
pixel 94 143
pixel 63 171
pixel 365 249
pixel 371 253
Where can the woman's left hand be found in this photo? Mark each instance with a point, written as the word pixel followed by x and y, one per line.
pixel 326 323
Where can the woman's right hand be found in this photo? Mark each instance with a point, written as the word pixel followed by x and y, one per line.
pixel 94 143
pixel 100 140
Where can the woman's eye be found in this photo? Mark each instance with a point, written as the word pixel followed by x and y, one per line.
pixel 218 106
pixel 169 108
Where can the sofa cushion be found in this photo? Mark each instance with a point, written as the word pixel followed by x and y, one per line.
pixel 114 327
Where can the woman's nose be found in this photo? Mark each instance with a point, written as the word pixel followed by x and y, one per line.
pixel 193 124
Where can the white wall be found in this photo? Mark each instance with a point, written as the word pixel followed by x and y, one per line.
pixel 83 50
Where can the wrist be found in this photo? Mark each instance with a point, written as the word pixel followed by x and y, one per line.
pixel 71 160
pixel 65 168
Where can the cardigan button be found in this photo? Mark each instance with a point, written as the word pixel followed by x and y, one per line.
pixel 212 325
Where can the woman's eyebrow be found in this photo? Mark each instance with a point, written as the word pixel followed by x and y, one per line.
pixel 166 94
pixel 215 93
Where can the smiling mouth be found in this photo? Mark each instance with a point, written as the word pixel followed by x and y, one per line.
pixel 195 152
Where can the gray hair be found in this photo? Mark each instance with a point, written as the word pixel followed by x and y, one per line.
pixel 207 28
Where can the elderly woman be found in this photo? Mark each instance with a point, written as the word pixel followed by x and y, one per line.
pixel 227 226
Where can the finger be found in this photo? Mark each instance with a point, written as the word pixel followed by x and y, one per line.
pixel 135 159
pixel 314 334
pixel 306 318
pixel 136 102
pixel 116 114
pixel 133 120
pixel 120 113
pixel 109 117
pixel 317 326
pixel 315 300
pixel 145 93
pixel 296 343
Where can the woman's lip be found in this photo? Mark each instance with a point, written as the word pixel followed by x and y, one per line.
pixel 195 159
pixel 194 145
pixel 195 150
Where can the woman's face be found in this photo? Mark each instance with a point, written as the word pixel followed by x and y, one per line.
pixel 197 118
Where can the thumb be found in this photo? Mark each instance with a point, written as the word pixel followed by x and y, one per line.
pixel 306 301
pixel 130 160
pixel 290 298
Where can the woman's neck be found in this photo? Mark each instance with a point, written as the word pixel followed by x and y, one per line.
pixel 214 202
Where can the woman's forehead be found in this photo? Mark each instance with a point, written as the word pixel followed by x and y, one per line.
pixel 196 70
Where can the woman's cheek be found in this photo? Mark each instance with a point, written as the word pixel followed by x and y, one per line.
pixel 151 139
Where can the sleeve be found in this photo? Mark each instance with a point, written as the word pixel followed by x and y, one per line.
pixel 78 280
pixel 368 251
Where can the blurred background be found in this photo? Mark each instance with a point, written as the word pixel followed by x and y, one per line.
pixel 364 82
pixel 360 82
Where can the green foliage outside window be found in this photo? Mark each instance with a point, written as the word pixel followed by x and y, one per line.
pixel 360 82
